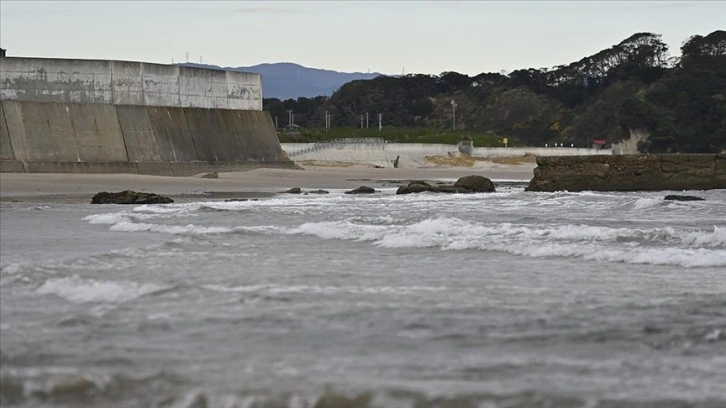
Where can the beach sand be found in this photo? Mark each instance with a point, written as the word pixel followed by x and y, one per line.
pixel 261 182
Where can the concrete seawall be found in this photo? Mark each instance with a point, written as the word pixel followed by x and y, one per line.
pixel 127 83
pixel 630 173
pixel 97 116
pixel 93 138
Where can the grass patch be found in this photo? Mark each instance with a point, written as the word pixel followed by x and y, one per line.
pixel 396 135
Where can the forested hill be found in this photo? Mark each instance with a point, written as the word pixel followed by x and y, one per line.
pixel 630 87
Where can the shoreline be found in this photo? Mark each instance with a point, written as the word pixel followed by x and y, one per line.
pixel 249 184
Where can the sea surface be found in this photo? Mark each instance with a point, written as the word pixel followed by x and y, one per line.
pixel 508 299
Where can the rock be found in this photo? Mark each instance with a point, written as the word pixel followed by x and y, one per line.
pixel 294 190
pixel 317 192
pixel 129 197
pixel 361 190
pixel 476 184
pixel 418 186
pixel 415 186
pixel 656 172
pixel 213 175
pixel 673 197
pixel 231 200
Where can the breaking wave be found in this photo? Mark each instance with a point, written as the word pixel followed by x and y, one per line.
pixel 81 290
pixel 658 246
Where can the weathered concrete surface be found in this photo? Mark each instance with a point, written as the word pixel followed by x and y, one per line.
pixel 94 138
pixel 127 83
pixel 630 173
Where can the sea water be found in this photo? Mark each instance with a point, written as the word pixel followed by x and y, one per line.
pixel 507 299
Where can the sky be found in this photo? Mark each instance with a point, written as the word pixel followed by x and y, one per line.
pixel 390 37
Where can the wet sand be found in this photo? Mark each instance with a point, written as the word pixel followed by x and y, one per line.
pixel 262 182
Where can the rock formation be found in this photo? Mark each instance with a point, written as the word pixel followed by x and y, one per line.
pixel 464 185
pixel 129 197
pixel 630 173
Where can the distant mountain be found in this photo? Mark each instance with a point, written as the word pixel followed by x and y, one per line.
pixel 285 80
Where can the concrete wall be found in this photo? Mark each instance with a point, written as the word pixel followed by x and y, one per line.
pixel 97 138
pixel 127 83
pixel 414 154
pixel 95 116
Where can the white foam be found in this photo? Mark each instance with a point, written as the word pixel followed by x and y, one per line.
pixel 284 289
pixel 189 229
pixel 715 238
pixel 643 203
pixel 80 290
pixel 342 230
pixel 107 218
pixel 657 246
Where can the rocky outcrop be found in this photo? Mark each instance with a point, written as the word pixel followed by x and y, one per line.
pixel 477 184
pixel 630 173
pixel 362 190
pixel 674 197
pixel 464 185
pixel 129 197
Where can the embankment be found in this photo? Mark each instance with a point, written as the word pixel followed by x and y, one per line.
pixel 98 116
pixel 52 137
pixel 630 173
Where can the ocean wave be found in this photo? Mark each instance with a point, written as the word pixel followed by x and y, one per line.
pixel 189 229
pixel 658 246
pixel 81 290
pixel 643 203
pixel 287 289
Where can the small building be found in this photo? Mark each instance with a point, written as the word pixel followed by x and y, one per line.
pixel 599 143
pixel 291 128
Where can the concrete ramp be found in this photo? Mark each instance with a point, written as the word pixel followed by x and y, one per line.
pixel 138 136
pixel 6 147
pixel 76 137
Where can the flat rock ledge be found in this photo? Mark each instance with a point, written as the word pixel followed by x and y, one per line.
pixel 464 185
pixel 656 172
pixel 129 197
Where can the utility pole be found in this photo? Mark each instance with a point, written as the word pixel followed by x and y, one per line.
pixel 361 121
pixel 187 56
pixel 380 124
pixel 327 121
pixel 453 107
pixel 289 117
pixel 367 120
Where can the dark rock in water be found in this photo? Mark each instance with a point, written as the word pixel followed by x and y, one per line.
pixel 415 186
pixel 477 184
pixel 294 190
pixel 213 175
pixel 129 197
pixel 362 190
pixel 317 192
pixel 231 200
pixel 674 197
pixel 465 185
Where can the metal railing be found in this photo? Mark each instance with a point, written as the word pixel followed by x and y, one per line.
pixel 337 143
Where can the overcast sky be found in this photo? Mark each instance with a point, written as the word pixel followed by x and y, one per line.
pixel 469 37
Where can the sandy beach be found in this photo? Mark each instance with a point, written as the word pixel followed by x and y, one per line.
pixel 261 182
